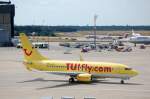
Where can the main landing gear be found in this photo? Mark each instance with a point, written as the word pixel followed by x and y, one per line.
pixel 71 80
pixel 122 81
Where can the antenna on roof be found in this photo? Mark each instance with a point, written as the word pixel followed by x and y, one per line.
pixel 5 2
pixel 9 2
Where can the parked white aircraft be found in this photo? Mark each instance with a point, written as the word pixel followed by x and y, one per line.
pixel 139 39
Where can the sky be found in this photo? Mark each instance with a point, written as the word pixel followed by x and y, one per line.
pixel 81 12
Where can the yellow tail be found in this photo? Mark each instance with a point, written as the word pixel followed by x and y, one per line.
pixel 30 53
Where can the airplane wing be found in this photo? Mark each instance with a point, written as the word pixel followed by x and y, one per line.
pixel 60 73
pixel 66 73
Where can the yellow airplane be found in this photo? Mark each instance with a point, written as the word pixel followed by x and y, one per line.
pixel 83 71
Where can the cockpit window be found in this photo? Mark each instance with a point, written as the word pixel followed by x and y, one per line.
pixel 128 68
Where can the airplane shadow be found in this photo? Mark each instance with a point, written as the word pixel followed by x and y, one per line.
pixel 70 84
pixel 118 83
pixel 67 84
pixel 42 80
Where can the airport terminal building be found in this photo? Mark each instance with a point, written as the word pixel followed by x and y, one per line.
pixel 7 13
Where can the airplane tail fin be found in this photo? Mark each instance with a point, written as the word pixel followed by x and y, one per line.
pixel 30 53
pixel 133 33
pixel 126 35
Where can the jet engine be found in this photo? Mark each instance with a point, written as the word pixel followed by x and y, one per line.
pixel 84 77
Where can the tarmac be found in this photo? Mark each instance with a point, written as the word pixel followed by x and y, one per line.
pixel 18 83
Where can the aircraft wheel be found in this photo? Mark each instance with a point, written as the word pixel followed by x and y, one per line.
pixel 122 81
pixel 71 80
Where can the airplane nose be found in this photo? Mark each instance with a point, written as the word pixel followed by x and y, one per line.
pixel 135 73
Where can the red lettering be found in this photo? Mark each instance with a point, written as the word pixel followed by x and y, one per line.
pixel 96 69
pixel 100 69
pixel 68 65
pixel 86 67
pixel 78 66
pixel 107 69
pixel 89 68
pixel 73 67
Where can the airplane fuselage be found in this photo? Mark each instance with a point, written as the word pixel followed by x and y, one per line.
pixel 97 69
pixel 140 40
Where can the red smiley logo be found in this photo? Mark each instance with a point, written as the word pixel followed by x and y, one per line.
pixel 27 53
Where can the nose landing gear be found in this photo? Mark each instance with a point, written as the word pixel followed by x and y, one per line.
pixel 122 81
pixel 71 80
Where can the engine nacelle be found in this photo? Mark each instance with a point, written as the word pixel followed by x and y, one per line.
pixel 84 77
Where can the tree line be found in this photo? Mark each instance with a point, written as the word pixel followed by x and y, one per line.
pixel 51 30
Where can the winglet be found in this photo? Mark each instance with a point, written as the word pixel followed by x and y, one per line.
pixel 81 57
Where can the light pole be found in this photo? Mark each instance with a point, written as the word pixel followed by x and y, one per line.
pixel 95 19
pixel 48 40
